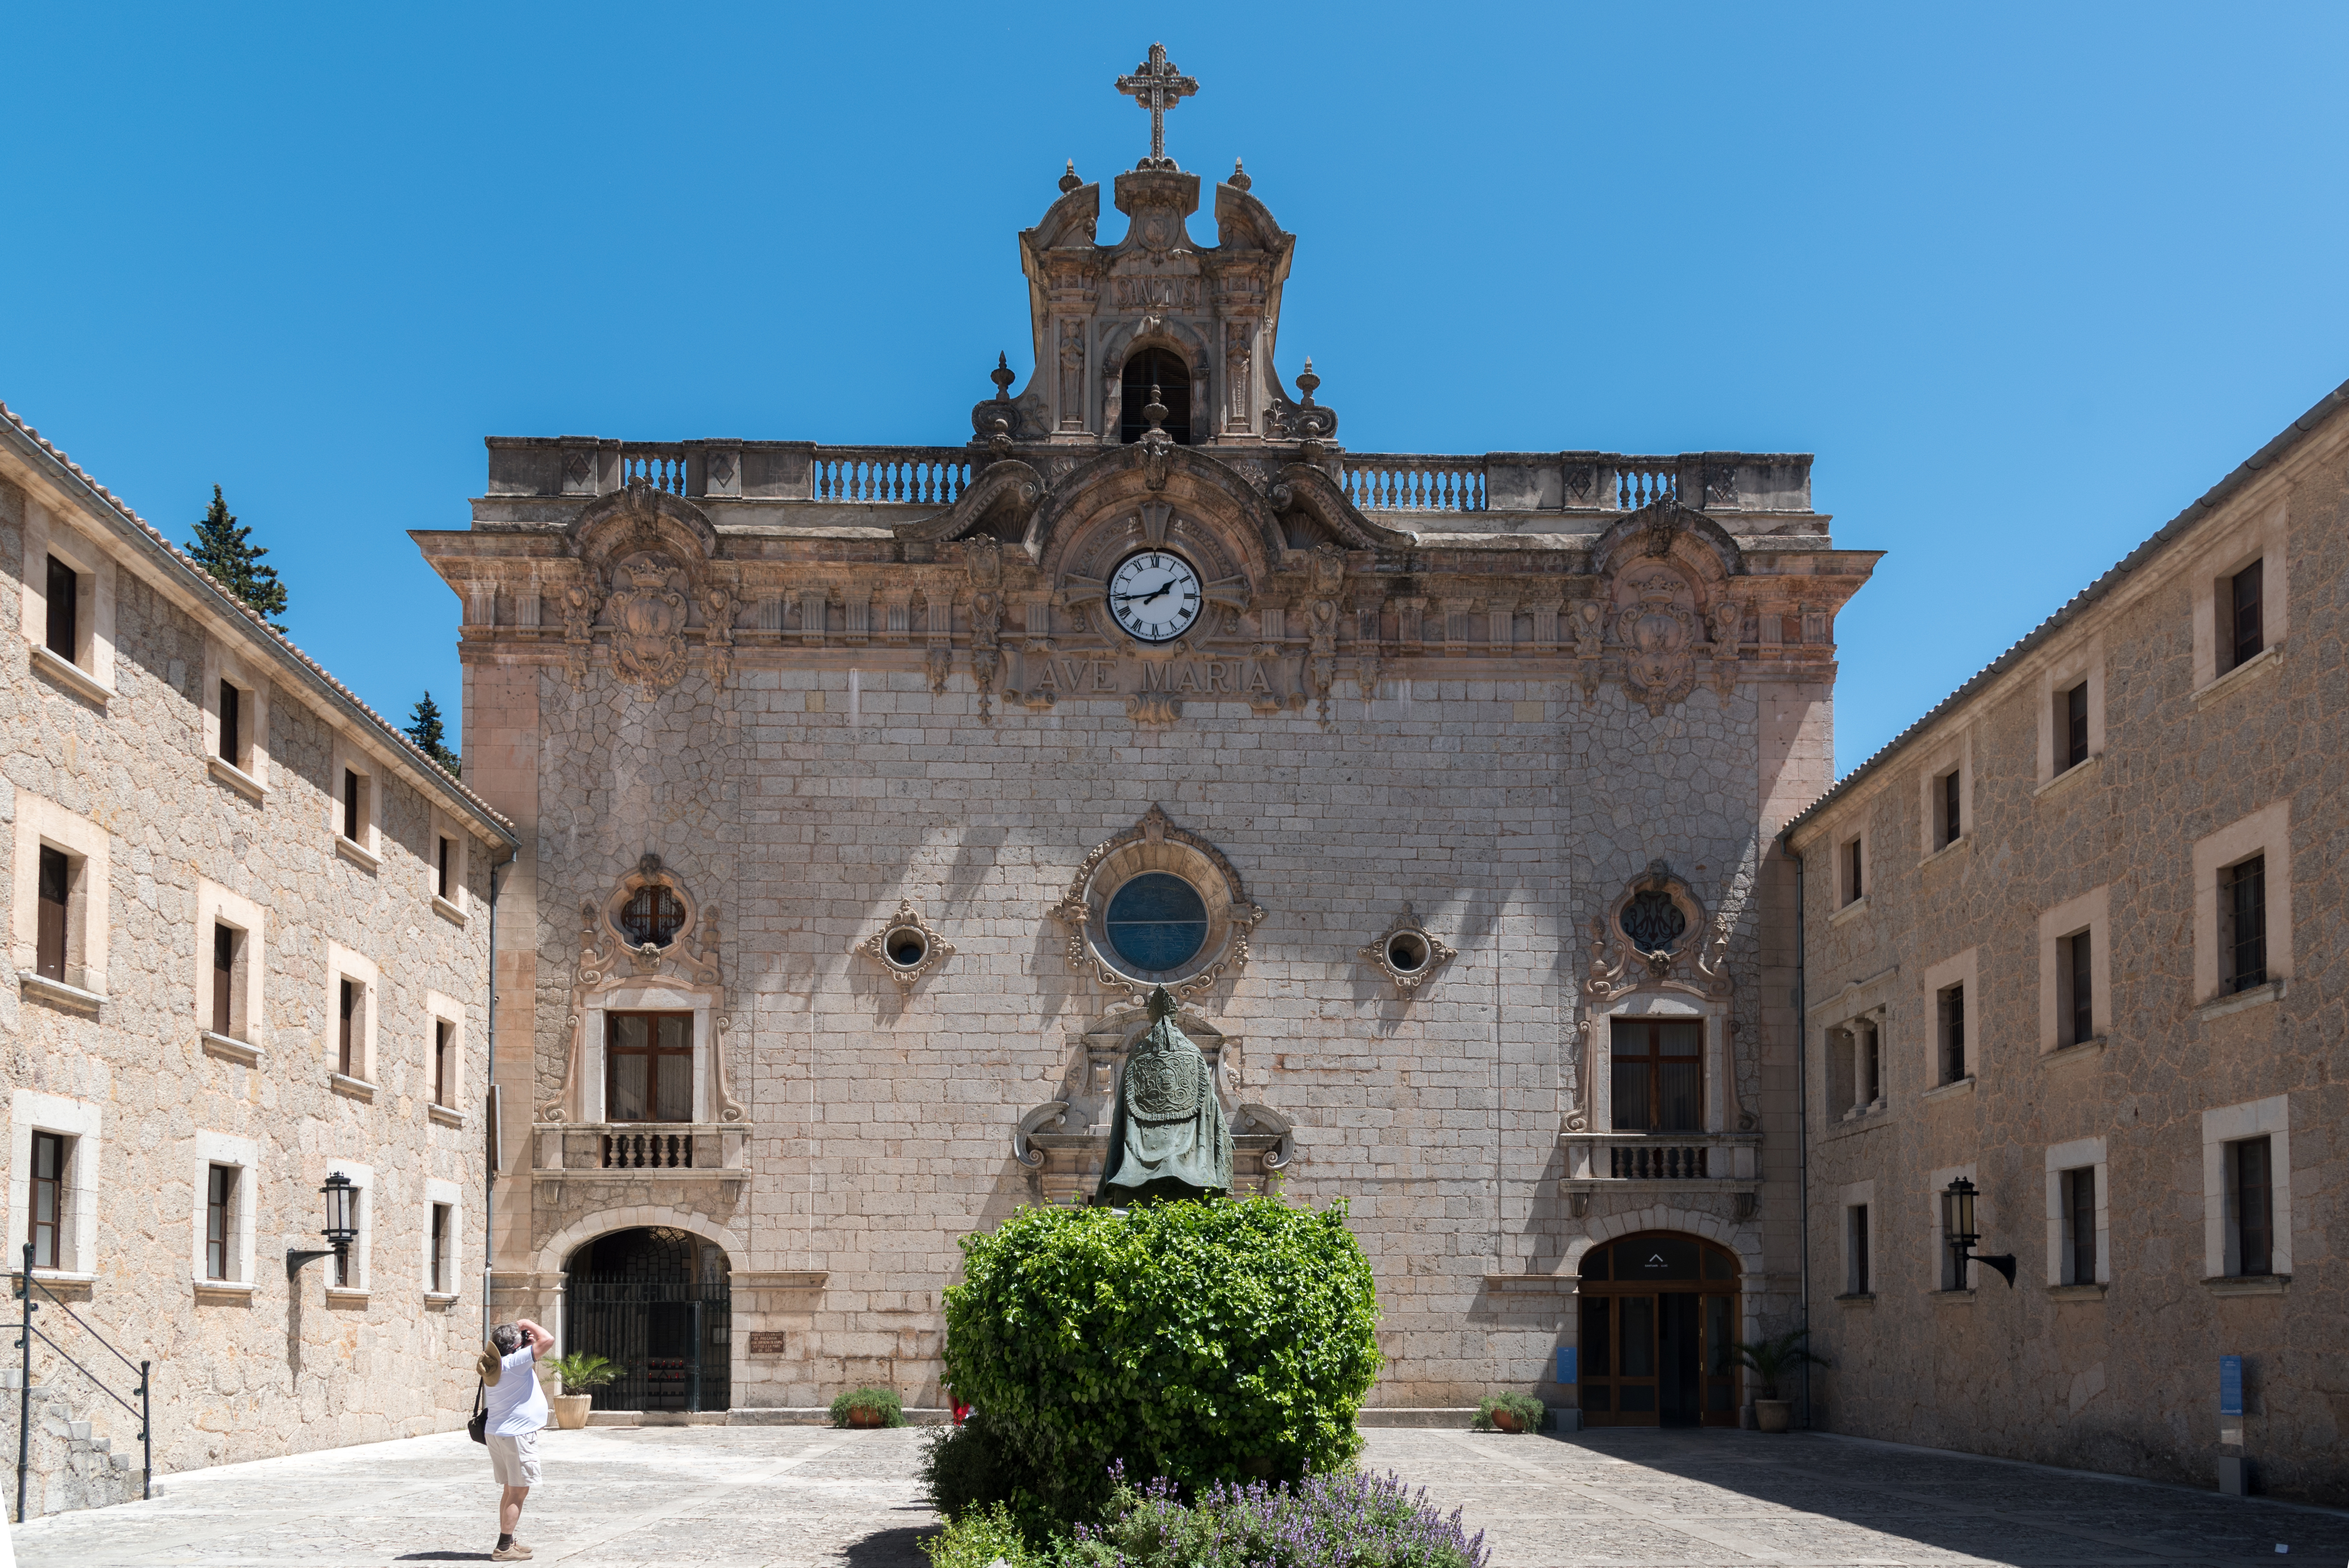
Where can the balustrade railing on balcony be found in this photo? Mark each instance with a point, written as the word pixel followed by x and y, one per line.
pixel 1387 481
pixel 662 462
pixel 648 1151
pixel 1657 1163
pixel 915 475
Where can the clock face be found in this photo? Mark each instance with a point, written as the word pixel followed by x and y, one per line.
pixel 1154 595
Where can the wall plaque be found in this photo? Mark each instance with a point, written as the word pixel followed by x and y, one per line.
pixel 766 1342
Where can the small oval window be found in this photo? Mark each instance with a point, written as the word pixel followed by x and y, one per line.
pixel 1157 922
pixel 651 918
pixel 907 946
pixel 1407 952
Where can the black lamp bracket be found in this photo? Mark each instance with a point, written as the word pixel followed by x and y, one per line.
pixel 2003 1262
pixel 296 1256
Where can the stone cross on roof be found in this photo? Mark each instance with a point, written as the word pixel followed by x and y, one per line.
pixel 1157 87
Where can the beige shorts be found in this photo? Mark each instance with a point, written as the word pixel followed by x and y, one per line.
pixel 515 1459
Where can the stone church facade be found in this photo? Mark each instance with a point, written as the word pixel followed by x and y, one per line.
pixel 865 792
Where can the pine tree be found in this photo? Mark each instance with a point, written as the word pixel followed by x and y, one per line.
pixel 424 728
pixel 224 550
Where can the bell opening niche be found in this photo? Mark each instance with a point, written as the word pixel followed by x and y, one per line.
pixel 1147 368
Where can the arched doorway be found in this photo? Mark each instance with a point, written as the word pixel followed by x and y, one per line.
pixel 1155 367
pixel 1659 1314
pixel 660 1302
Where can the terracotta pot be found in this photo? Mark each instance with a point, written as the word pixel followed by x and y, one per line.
pixel 571 1411
pixel 1772 1415
pixel 1506 1420
pixel 864 1416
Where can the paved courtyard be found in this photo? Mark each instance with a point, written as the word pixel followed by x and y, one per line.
pixel 812 1498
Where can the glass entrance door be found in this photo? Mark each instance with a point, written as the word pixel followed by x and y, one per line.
pixel 1659 1314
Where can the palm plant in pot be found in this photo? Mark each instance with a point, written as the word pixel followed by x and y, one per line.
pixel 581 1372
pixel 1773 1360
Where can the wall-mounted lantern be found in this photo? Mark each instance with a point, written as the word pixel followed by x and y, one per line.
pixel 1958 1226
pixel 342 1224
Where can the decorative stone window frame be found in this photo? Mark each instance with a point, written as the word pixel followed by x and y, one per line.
pixel 363 1216
pixel 2271 1119
pixel 2268 832
pixel 448 1195
pixel 1955 755
pixel 89 674
pixel 2064 670
pixel 1831 1019
pixel 366 849
pixel 1957 969
pixel 242 1154
pixel 457 905
pixel 1155 844
pixel 248 1014
pixel 1944 1270
pixel 440 1009
pixel 609 977
pixel 2091 912
pixel 82 1120
pixel 342 965
pixel 2080 1153
pixel 249 773
pixel 1690 980
pixel 2262 537
pixel 904 931
pixel 1840 1079
pixel 1392 954
pixel 42 822
pixel 1860 1195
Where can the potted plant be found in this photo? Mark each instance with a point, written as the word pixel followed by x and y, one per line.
pixel 1772 1360
pixel 868 1407
pixel 581 1373
pixel 1510 1413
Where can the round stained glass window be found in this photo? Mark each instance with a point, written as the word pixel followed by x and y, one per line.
pixel 1157 922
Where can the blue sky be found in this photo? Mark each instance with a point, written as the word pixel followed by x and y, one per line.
pixel 2026 279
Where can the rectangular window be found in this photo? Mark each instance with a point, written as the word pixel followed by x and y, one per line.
pixel 2078 1191
pixel 442 1032
pixel 1856 1248
pixel 2076 1004
pixel 439 1273
pixel 2251 1207
pixel 1659 1075
pixel 224 944
pixel 46 1213
pixel 2243 906
pixel 2072 726
pixel 2245 622
pixel 220 1208
pixel 1867 1065
pixel 232 719
pixel 352 785
pixel 348 1051
pixel 1855 886
pixel 1953 1023
pixel 57 889
pixel 448 853
pixel 1952 819
pixel 648 1067
pixel 65 609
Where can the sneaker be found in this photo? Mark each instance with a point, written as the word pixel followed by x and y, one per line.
pixel 513 1553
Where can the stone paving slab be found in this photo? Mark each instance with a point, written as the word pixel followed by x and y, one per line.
pixel 809 1497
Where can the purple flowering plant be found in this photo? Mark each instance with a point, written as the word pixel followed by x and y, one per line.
pixel 1345 1520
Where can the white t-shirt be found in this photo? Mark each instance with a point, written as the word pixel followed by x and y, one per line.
pixel 516 1403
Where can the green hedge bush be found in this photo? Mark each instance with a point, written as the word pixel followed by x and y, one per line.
pixel 1200 1342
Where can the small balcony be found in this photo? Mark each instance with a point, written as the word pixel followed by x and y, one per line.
pixel 1662 1161
pixel 638 1149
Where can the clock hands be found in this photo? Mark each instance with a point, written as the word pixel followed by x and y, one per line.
pixel 1165 587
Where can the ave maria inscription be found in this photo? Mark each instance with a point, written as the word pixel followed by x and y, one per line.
pixel 1049 678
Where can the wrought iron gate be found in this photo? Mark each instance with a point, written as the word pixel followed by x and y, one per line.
pixel 638 1298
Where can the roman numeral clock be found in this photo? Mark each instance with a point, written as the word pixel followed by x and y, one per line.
pixel 1154 595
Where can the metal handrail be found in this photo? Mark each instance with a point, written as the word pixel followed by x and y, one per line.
pixel 144 1410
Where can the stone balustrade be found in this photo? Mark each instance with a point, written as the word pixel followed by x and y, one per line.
pixel 1410 483
pixel 1700 1157
pixel 643 1149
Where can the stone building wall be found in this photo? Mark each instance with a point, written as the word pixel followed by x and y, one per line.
pixel 2189 770
pixel 120 1056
